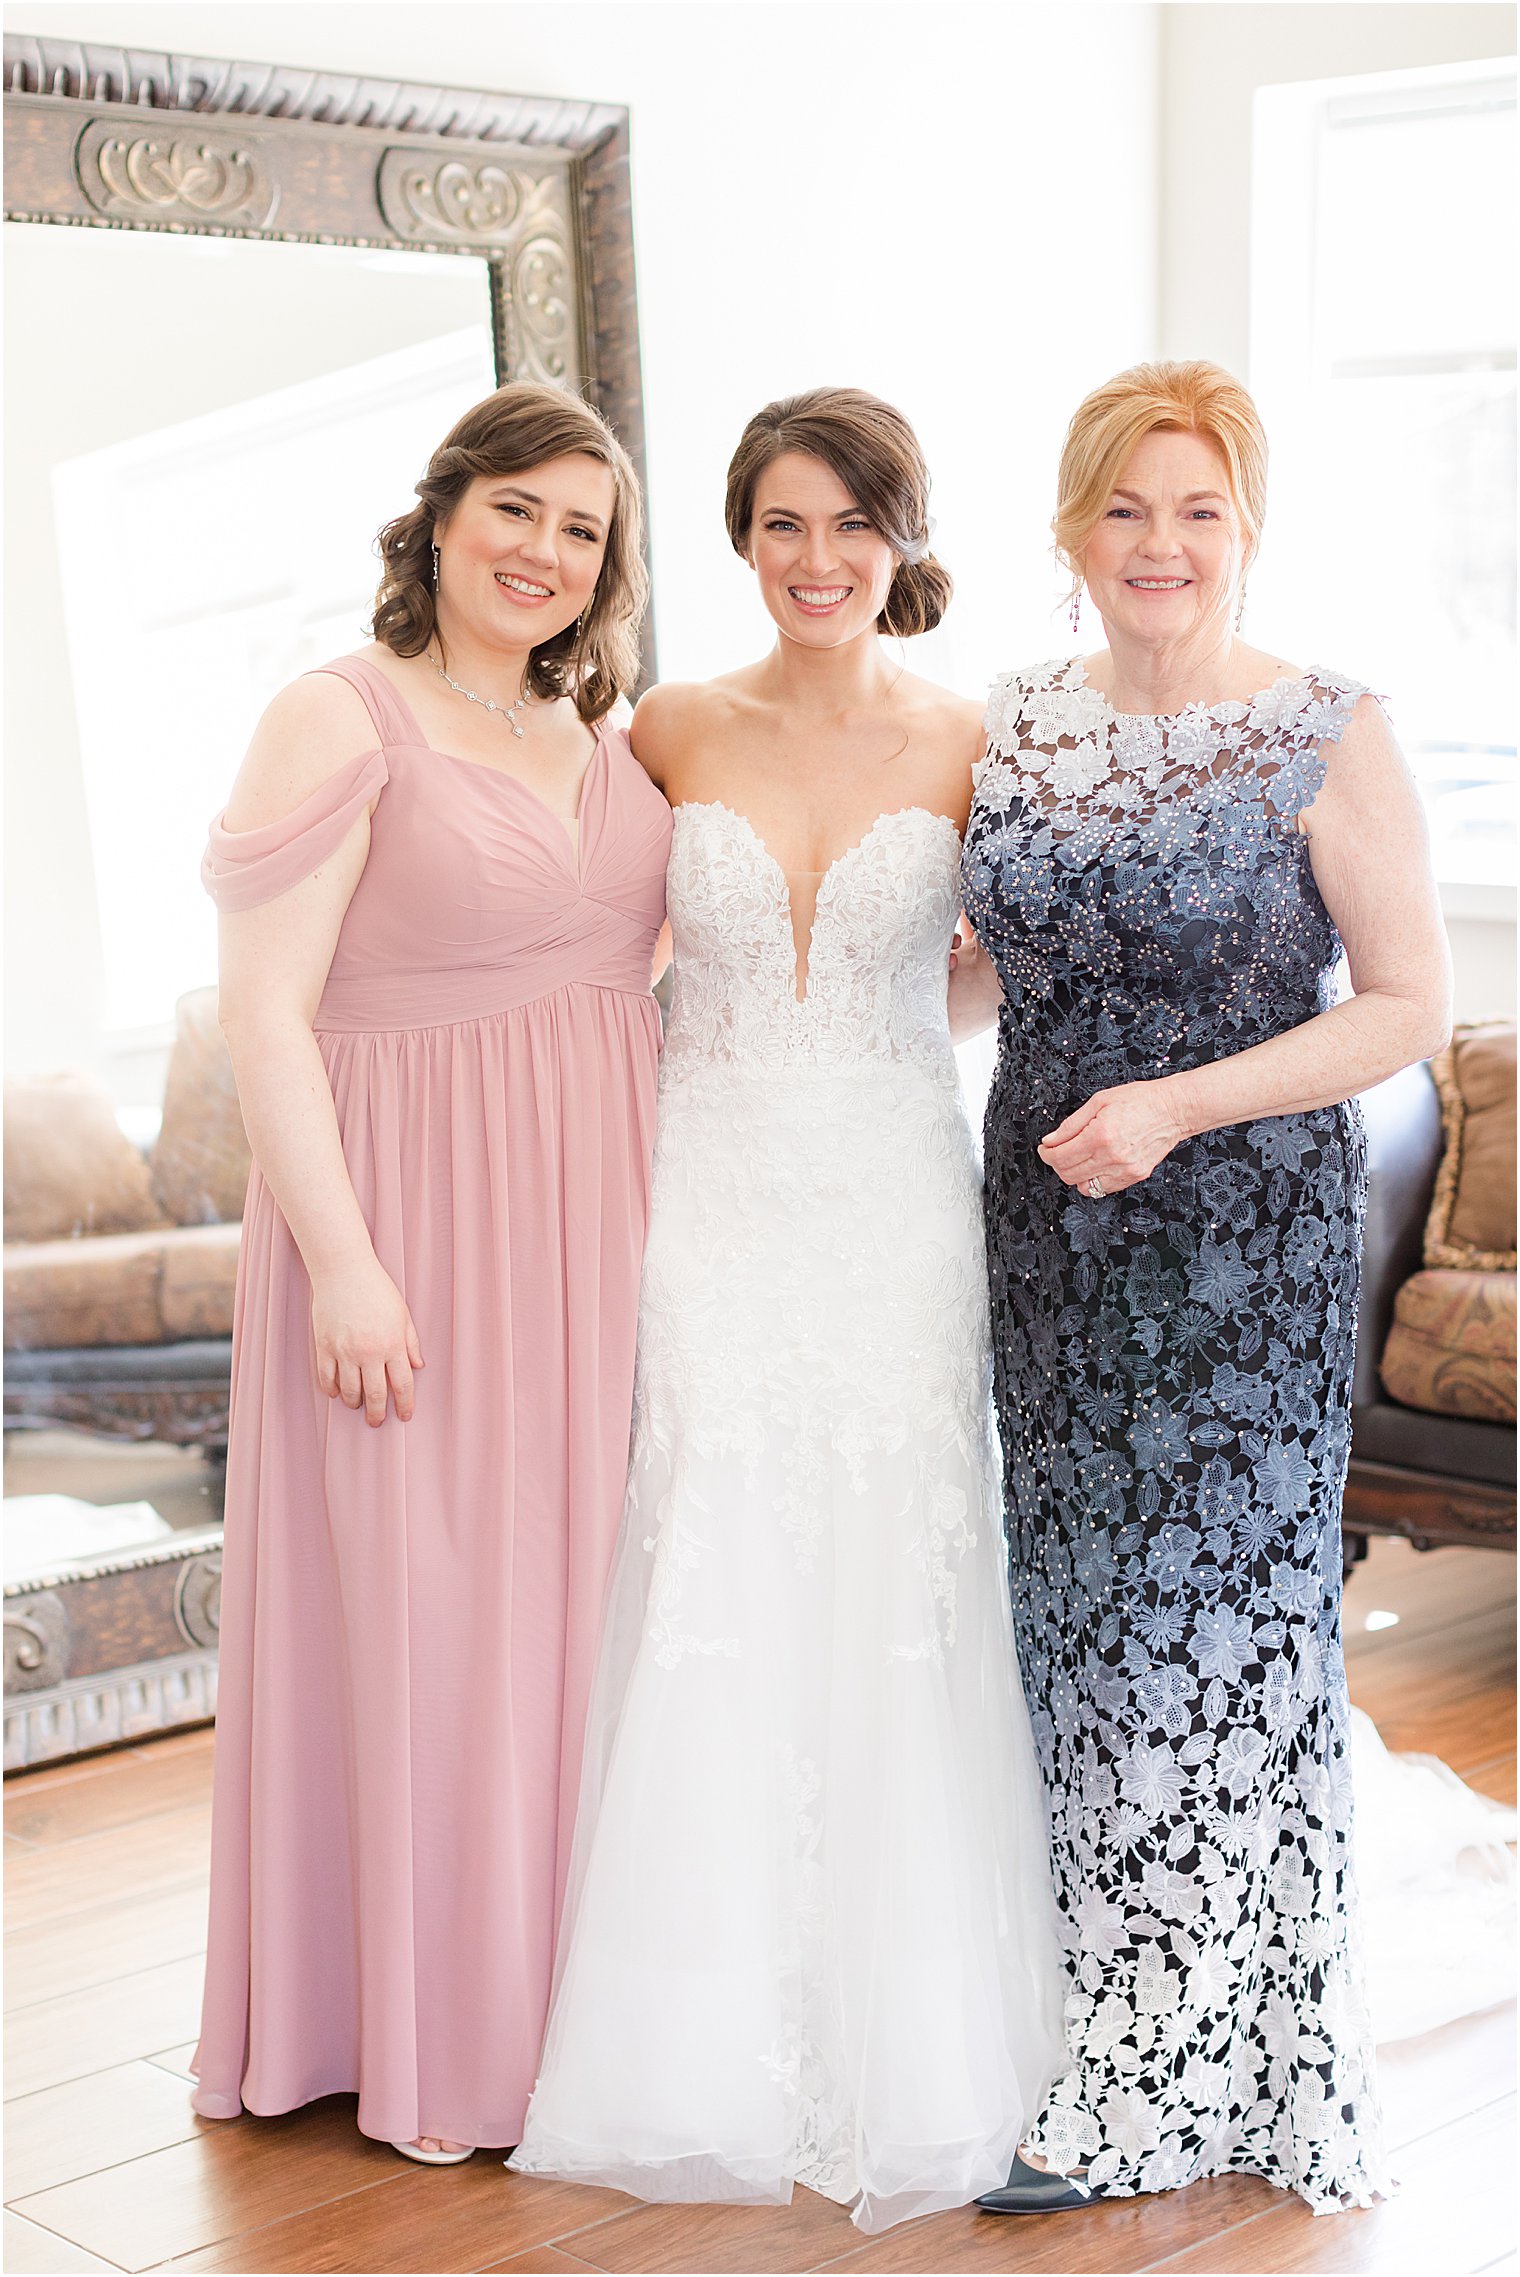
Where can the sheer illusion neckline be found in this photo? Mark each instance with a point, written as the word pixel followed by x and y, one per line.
pixel 1075 676
pixel 802 961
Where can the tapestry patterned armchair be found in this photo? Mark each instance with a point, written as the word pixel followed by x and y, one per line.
pixel 1433 1416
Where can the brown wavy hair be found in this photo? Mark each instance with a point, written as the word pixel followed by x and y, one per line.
pixel 519 427
pixel 876 455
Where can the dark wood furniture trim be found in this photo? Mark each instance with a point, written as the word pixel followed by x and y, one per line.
pixel 1429 1509
pixel 178 1393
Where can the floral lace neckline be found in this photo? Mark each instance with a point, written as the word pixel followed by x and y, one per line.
pixel 1050 732
pixel 1228 709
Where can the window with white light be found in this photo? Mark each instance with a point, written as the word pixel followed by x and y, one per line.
pixel 252 545
pixel 1383 360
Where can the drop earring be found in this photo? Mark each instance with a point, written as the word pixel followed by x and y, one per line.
pixel 1240 607
pixel 434 551
pixel 1076 609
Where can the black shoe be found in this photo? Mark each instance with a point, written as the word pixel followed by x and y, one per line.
pixel 1029 2191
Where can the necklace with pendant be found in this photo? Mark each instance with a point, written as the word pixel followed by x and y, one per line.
pixel 508 712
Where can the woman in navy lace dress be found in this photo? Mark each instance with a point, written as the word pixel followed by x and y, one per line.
pixel 1172 841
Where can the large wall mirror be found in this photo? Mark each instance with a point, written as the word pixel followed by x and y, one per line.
pixel 243 303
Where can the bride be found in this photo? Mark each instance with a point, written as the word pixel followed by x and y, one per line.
pixel 809 1933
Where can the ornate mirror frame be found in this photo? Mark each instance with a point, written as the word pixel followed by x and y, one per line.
pixel 538 189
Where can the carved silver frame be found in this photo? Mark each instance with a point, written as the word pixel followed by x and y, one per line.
pixel 536 187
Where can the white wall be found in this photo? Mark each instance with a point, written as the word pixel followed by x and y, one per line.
pixel 889 196
pixel 1214 56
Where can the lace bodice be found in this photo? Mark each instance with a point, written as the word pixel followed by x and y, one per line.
pixel 876 970
pixel 1052 738
pixel 814 1266
pixel 1151 894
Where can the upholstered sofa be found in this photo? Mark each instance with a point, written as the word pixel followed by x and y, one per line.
pixel 1433 1414
pixel 120 1266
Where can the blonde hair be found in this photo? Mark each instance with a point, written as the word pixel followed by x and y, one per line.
pixel 520 426
pixel 1190 399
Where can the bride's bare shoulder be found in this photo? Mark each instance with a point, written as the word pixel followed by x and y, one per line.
pixel 662 725
pixel 944 714
pixel 680 719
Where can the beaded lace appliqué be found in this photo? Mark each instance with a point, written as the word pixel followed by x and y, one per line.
pixel 1172 1370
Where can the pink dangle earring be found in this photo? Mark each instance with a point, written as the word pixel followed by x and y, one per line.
pixel 1076 609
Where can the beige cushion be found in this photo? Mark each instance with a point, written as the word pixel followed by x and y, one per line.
pixel 200 1160
pixel 200 1277
pixel 1472 1212
pixel 127 1288
pixel 1451 1349
pixel 69 1168
pixel 71 1293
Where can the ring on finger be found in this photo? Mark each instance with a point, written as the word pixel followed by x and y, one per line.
pixel 1096 1188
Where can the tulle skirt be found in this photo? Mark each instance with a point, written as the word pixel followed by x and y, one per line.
pixel 1437 1883
pixel 810 1935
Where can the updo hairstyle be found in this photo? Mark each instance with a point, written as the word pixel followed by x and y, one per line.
pixel 1191 399
pixel 875 454
pixel 519 427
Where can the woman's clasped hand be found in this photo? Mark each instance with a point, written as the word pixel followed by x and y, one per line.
pixel 1115 1138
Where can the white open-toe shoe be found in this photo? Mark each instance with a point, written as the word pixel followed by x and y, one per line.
pixel 433 2158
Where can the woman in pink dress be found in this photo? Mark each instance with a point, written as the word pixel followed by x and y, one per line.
pixel 441 876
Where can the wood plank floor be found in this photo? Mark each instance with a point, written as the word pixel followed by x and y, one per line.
pixel 107 2167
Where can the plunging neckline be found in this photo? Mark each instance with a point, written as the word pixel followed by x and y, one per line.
pixel 505 774
pixel 802 967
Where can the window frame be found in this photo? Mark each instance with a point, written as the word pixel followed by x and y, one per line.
pixel 1289 354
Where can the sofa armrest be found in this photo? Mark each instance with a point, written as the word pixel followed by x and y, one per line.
pixel 1404 1144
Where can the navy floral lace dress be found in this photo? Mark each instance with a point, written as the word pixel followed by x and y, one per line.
pixel 1173 1376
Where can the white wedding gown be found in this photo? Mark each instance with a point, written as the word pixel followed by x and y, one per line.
pixel 809 1934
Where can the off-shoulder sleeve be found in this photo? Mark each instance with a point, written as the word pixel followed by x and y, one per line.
pixel 242 868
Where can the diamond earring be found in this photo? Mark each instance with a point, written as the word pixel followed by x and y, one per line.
pixel 1076 609
pixel 435 568
pixel 1240 607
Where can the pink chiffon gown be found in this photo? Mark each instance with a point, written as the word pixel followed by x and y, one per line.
pixel 410 1614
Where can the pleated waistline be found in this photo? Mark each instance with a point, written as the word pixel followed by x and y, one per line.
pixel 408 1009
